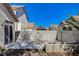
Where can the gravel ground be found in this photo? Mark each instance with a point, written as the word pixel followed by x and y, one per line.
pixel 32 53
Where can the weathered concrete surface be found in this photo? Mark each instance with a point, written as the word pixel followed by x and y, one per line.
pixel 60 48
pixel 50 36
pixel 50 48
pixel 43 36
pixel 68 36
pixel 53 48
pixel 35 39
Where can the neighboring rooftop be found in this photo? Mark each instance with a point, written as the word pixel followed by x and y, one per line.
pixel 76 17
pixel 30 25
pixel 8 7
pixel 14 7
pixel 40 28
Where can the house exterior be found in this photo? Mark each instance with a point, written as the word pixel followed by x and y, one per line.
pixel 21 15
pixel 30 26
pixel 20 25
pixel 70 24
pixel 74 21
pixel 7 26
pixel 53 27
pixel 40 28
pixel 63 25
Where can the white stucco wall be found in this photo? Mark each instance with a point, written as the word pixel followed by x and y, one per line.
pixel 23 18
pixel 18 26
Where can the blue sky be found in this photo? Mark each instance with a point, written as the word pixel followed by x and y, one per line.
pixel 45 14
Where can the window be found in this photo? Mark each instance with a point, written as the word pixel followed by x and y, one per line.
pixel 8 34
pixel 19 12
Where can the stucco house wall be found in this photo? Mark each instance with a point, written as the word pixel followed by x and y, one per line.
pixel 5 16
